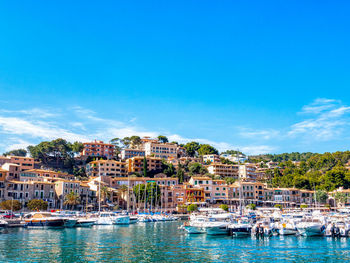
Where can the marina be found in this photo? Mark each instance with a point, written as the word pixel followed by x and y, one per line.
pixel 161 241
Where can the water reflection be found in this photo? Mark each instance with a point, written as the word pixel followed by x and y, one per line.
pixel 161 241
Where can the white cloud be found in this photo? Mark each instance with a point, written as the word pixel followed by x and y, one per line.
pixel 36 129
pixel 34 112
pixel 329 122
pixel 259 134
pixel 319 105
pixel 15 144
pixel 89 126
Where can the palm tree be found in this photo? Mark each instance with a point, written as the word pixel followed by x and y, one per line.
pixel 121 193
pixel 105 193
pixel 72 199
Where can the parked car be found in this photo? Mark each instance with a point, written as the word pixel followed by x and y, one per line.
pixel 7 214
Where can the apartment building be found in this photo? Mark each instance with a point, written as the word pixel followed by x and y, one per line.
pixel 248 172
pixel 3 176
pixel 36 174
pixel 234 158
pixel 183 160
pixel 26 191
pixel 179 193
pixel 219 191
pixel 307 196
pixel 211 158
pixel 65 187
pixel 110 168
pixel 135 164
pixel 225 170
pixel 160 150
pixel 134 181
pixel 13 170
pixel 287 196
pixel 203 182
pixel 129 153
pixel 98 149
pixel 194 194
pixel 24 163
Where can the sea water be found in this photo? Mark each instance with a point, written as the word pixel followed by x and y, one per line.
pixel 161 242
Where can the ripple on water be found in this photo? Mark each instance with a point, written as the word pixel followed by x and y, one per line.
pixel 161 242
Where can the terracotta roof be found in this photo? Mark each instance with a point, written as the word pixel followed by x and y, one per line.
pixel 201 178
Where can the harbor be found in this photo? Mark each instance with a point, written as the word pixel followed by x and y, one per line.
pixel 161 242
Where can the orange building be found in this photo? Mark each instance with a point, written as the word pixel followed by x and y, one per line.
pixel 135 164
pixel 98 149
pixel 194 194
pixel 38 174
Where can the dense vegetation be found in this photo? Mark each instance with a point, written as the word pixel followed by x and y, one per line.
pixel 294 156
pixel 320 171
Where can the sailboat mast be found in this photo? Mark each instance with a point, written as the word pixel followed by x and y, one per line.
pixel 99 188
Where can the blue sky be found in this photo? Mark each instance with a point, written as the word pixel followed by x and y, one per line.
pixel 255 75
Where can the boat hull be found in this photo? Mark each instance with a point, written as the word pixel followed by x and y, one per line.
pixel 45 223
pixel 123 220
pixel 194 230
pixel 217 230
pixel 311 231
pixel 287 232
pixel 240 232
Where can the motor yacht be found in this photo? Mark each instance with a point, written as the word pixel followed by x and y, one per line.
pixel 44 219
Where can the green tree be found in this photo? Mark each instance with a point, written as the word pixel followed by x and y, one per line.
pixel 13 205
pixel 197 168
pixel 181 175
pixel 153 193
pixel 224 207
pixel 144 167
pixel 230 180
pixel 77 147
pixel 139 192
pixel 117 146
pixel 105 193
pixel 207 149
pixel 57 153
pixel 79 172
pixel 321 196
pixel 251 206
pixel 37 204
pixel 340 198
pixel 18 152
pixel 278 206
pixel 162 139
pixel 192 148
pixel 168 168
pixel 192 208
pixel 72 199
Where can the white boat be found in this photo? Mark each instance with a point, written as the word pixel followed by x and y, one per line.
pixel 311 227
pixel 85 222
pixel 106 218
pixel 337 229
pixel 122 220
pixel 217 224
pixel 195 225
pixel 287 228
pixel 133 219
pixel 44 219
pixel 241 228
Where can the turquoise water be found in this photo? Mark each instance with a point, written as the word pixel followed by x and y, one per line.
pixel 161 242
